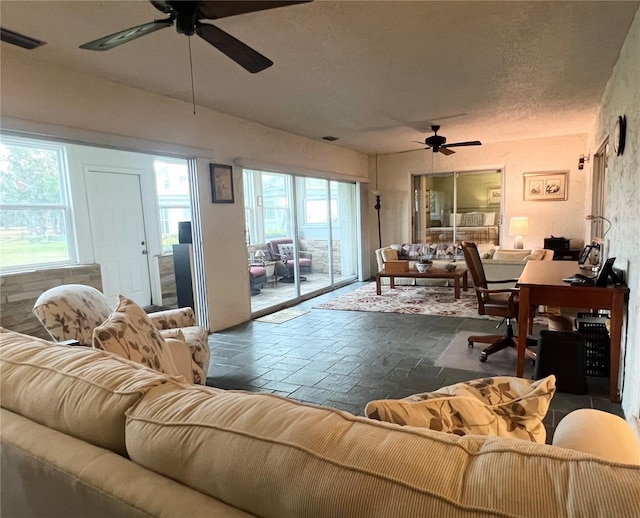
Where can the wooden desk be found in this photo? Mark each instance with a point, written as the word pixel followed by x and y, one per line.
pixel 541 283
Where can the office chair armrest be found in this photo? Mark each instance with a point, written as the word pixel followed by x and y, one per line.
pixel 501 282
pixel 504 290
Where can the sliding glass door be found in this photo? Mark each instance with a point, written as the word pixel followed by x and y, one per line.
pixel 301 236
pixel 453 207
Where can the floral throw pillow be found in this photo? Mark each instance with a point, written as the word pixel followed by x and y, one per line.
pixel 286 251
pixel 129 332
pixel 502 406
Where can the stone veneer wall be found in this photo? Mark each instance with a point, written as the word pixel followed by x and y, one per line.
pixel 168 281
pixel 19 291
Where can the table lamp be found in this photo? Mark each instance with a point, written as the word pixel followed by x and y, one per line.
pixel 260 255
pixel 519 226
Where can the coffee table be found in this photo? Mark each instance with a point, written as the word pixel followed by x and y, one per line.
pixel 459 274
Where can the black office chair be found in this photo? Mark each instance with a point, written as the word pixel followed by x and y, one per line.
pixel 499 302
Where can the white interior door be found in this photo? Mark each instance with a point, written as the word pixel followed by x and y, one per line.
pixel 118 235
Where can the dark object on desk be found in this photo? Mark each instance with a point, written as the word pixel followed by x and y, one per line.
pixel 584 255
pixel 605 274
pixel 562 354
pixel 580 280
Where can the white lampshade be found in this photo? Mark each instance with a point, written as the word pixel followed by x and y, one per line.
pixel 519 226
pixel 260 253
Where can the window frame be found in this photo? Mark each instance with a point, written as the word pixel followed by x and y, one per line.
pixel 65 203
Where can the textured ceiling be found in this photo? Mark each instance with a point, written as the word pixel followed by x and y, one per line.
pixel 372 73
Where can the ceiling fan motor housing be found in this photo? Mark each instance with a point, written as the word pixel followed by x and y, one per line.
pixel 186 13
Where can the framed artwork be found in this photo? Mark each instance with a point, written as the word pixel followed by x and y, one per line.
pixel 493 195
pixel 550 186
pixel 221 183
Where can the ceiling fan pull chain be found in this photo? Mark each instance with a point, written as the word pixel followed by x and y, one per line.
pixel 193 91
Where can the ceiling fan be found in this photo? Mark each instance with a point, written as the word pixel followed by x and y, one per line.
pixel 187 15
pixel 15 38
pixel 438 143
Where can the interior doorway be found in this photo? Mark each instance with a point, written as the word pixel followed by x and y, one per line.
pixel 119 239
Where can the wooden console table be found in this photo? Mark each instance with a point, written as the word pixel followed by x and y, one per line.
pixel 541 284
pixel 459 274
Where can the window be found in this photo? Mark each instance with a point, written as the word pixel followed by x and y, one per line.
pixel 174 202
pixel 35 214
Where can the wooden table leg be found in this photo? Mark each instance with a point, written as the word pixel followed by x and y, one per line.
pixel 392 282
pixel 523 319
pixel 465 282
pixel 456 286
pixel 378 285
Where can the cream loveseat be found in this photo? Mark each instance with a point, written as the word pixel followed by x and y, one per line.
pixel 88 433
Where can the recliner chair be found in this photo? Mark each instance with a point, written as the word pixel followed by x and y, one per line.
pixel 500 302
pixel 73 311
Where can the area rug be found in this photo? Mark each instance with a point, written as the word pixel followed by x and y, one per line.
pixel 414 300
pixel 458 355
pixel 281 316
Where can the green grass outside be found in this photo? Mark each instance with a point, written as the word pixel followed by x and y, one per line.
pixel 18 252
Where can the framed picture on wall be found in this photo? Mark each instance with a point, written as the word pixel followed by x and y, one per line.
pixel 551 186
pixel 493 195
pixel 221 183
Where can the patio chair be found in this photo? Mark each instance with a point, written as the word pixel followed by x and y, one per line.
pixel 281 251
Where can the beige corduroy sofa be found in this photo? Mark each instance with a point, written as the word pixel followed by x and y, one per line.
pixel 87 433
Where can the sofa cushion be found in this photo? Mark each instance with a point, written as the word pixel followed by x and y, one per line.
pixel 389 254
pixel 275 457
pixel 503 406
pixel 536 255
pixel 510 255
pixel 130 333
pixel 79 391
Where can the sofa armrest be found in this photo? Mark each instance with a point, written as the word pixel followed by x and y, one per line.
pixel 181 355
pixel 600 434
pixel 173 318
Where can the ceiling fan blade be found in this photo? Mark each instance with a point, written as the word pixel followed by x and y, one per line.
pixel 460 144
pixel 242 54
pixel 119 38
pixel 213 9
pixel 419 142
pixel 15 38
pixel 445 151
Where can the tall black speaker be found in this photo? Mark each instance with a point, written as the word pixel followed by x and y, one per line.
pixel 184 232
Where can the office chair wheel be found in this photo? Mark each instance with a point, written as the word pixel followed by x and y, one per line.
pixel 483 357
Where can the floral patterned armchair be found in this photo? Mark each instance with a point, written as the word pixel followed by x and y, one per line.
pixel 73 311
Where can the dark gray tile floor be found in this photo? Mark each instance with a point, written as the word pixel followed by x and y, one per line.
pixel 345 359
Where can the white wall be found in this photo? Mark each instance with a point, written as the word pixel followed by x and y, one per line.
pixel 622 97
pixel 41 98
pixel 558 218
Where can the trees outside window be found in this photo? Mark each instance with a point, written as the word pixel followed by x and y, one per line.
pixel 35 213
